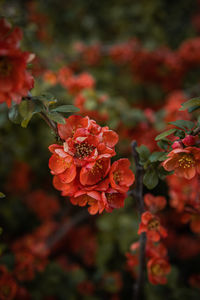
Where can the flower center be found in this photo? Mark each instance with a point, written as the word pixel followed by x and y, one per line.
pixel 157 270
pixel 117 177
pixel 153 224
pixel 5 67
pixel 186 161
pixel 110 197
pixel 83 150
pixel 97 168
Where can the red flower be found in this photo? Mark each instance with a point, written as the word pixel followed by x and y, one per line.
pixel 95 171
pixel 153 203
pixel 158 268
pixel 8 286
pixel 121 177
pixel 71 125
pixel 112 199
pixel 155 250
pixel 77 83
pixel 92 198
pixel 194 220
pixel 185 162
pixel 63 167
pixel 15 81
pixel 83 147
pixel 151 225
pixel 68 189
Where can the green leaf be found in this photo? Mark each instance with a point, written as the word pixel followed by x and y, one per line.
pixel 165 133
pixel 56 117
pixel 143 152
pixel 2 195
pixel 150 178
pixel 13 114
pixel 191 109
pixel 157 156
pixel 26 111
pixel 28 108
pixel 180 134
pixel 191 103
pixel 66 108
pixel 162 173
pixel 183 124
pixel 163 144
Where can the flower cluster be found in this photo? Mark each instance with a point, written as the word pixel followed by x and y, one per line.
pixel 15 80
pixel 82 166
pixel 157 266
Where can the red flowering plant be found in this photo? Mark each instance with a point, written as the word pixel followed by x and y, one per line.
pixel 51 249
pixel 15 80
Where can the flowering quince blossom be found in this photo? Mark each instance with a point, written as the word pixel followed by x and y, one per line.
pixel 185 162
pixel 15 80
pixel 82 166
pixel 158 268
pixel 151 225
pixel 154 203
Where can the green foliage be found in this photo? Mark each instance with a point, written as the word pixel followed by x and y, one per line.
pixel 54 116
pixel 193 103
pixel 183 124
pixel 157 156
pixel 165 133
pixel 65 109
pixel 150 178
pixel 144 154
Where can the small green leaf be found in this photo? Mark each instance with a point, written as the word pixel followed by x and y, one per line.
pixel 2 195
pixel 191 103
pixel 163 144
pixel 66 108
pixel 183 124
pixel 28 108
pixel 191 109
pixel 150 178
pixel 157 156
pixel 143 152
pixel 165 133
pixel 58 118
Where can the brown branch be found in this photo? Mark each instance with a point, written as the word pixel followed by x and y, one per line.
pixel 138 293
pixel 50 123
pixel 196 131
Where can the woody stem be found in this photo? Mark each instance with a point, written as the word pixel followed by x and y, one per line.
pixel 196 131
pixel 138 293
pixel 43 115
pixel 50 123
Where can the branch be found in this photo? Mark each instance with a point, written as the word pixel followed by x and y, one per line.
pixel 196 131
pixel 138 195
pixel 51 124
